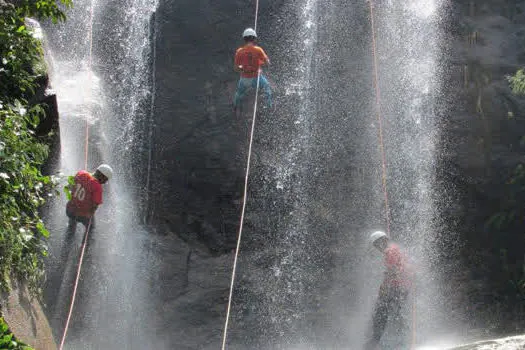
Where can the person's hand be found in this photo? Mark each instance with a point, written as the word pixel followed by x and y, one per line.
pixel 383 289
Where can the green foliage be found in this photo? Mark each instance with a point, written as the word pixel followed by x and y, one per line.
pixel 43 9
pixel 67 188
pixel 22 186
pixel 20 53
pixel 513 275
pixel 22 191
pixel 517 82
pixel 503 225
pixel 8 340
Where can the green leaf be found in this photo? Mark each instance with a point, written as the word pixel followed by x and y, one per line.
pixel 42 230
pixel 6 339
pixel 67 191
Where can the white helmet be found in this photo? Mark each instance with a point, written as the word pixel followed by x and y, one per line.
pixel 249 32
pixel 105 170
pixel 377 235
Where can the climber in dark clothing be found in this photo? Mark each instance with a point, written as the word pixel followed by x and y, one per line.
pixel 394 291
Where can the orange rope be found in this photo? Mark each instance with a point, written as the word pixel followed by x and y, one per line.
pixel 383 158
pixel 73 297
pixel 86 153
pixel 413 339
pixel 90 79
pixel 379 118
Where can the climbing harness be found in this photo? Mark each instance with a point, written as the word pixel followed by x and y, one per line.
pixel 245 195
pixel 86 152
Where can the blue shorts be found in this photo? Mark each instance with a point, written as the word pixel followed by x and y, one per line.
pixel 245 84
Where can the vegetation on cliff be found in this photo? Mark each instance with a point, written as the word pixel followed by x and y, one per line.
pixel 506 226
pixel 8 339
pixel 23 188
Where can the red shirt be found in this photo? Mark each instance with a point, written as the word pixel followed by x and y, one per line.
pixel 251 58
pixel 86 193
pixel 397 269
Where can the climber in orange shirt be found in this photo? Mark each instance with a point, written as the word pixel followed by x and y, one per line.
pixel 86 195
pixel 248 61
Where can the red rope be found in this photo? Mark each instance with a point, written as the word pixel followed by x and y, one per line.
pixel 73 297
pixel 383 159
pixel 379 118
pixel 86 153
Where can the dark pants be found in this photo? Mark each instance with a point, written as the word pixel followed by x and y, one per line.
pixel 73 219
pixel 391 306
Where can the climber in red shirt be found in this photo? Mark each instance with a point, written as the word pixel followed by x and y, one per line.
pixel 86 195
pixel 248 61
pixel 394 291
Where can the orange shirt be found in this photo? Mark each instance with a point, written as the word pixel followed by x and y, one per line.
pixel 87 192
pixel 251 58
pixel 398 270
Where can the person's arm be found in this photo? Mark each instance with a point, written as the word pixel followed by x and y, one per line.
pixel 96 196
pixel 384 286
pixel 237 66
pixel 265 58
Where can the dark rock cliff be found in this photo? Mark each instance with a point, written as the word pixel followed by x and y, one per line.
pixel 196 139
pixel 481 146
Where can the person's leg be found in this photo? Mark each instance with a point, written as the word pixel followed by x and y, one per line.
pixel 242 88
pixel 379 320
pixel 265 86
pixel 400 314
pixel 72 223
pixel 89 223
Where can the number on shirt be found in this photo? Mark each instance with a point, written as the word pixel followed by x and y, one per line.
pixel 251 64
pixel 80 193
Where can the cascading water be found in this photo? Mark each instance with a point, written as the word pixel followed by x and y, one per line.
pixel 409 74
pixel 279 174
pixel 322 173
pixel 407 37
pixel 101 59
pixel 341 186
pixel 328 172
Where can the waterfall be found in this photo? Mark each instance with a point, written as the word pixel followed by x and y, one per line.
pixel 306 278
pixel 101 60
pixel 410 88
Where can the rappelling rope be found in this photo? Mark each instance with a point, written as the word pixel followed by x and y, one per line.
pixel 379 118
pixel 383 159
pixel 73 297
pixel 86 152
pixel 244 198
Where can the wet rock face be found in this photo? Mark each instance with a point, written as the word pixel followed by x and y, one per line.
pixel 27 320
pixel 198 154
pixel 481 145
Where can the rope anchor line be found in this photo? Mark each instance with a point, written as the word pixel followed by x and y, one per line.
pixel 245 195
pixel 379 114
pixel 86 153
pixel 383 159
